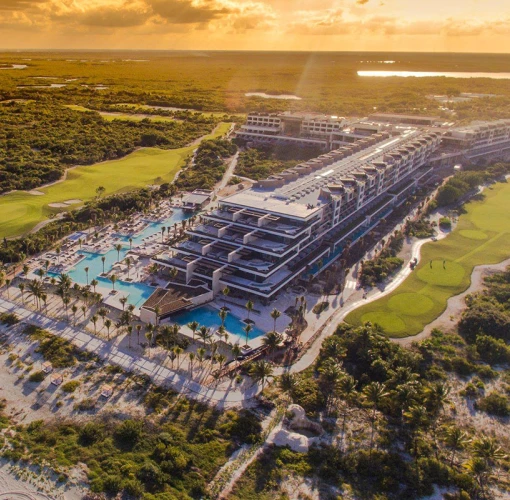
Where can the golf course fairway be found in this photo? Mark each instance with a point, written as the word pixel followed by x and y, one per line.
pixel 21 211
pixel 482 236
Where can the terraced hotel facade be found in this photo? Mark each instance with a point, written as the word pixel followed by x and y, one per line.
pixel 257 241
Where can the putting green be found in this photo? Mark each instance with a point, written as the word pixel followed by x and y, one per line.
pixel 412 304
pixel 20 211
pixel 390 322
pixel 437 273
pixel 482 236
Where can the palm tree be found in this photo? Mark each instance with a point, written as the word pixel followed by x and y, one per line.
pixel 127 260
pixel 84 311
pixel 260 371
pixel 7 285
pixel 204 334
pixel 129 332
pixel 178 351
pixel 108 324
pixel 275 314
pixel 193 326
pixel 123 301
pixel 103 259
pixel 44 298
pixel 249 308
pixel 191 359
pixel 478 468
pixel 225 293
pixel 94 283
pixel 347 388
pixel 271 341
pixel 113 279
pixel 130 243
pixel 456 439
pixel 236 351
pixel 163 229
pixel 201 355
pixel 437 396
pixel 247 329
pixel 288 383
pixel 118 247
pixel 149 329
pixel 21 287
pixel 35 291
pixel 40 272
pixel 87 274
pixel 138 329
pixel 57 251
pixel 374 394
pixel 74 310
pixel 488 450
pixel 94 320
pixel 66 300
pixel 223 316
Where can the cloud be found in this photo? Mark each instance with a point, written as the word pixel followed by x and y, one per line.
pixel 19 5
pixel 122 16
pixel 188 11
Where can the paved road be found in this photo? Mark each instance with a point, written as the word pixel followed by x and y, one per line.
pixel 228 174
pixel 130 362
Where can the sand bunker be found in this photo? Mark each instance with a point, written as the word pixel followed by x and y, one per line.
pixel 64 204
pixel 36 193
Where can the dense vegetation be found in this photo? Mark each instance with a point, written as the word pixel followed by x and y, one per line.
pixel 258 163
pixel 376 270
pixel 207 166
pixel 215 82
pixel 39 141
pixel 397 428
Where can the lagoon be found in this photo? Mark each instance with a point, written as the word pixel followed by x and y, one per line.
pixel 435 74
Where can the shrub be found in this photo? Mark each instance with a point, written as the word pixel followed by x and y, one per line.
pixel 37 376
pixel 128 433
pixel 9 319
pixel 494 404
pixel 70 386
pixel 60 352
pixel 90 433
pixel 492 350
pixel 445 223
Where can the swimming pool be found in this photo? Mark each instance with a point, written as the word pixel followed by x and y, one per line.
pixel 137 293
pixel 208 316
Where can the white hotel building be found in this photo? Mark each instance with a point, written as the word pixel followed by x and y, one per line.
pixel 260 239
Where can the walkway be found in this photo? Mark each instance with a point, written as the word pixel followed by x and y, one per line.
pixel 228 174
pixel 141 365
pixel 339 314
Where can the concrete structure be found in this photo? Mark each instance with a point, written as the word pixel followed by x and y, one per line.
pixel 262 238
pixel 197 200
pixel 174 298
pixel 304 129
pixel 420 120
pixel 487 140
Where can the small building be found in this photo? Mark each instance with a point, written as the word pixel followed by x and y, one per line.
pixel 57 379
pixel 197 200
pixel 106 391
pixel 47 367
pixel 174 298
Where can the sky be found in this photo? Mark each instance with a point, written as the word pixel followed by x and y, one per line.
pixel 309 25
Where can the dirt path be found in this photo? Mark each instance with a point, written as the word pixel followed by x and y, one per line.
pixel 456 304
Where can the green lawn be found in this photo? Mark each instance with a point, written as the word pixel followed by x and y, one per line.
pixel 123 116
pixel 481 237
pixel 21 211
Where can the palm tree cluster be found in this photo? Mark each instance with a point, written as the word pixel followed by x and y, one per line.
pixel 361 372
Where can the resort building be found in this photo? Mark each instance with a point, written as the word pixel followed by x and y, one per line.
pixel 197 200
pixel 304 129
pixel 294 224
